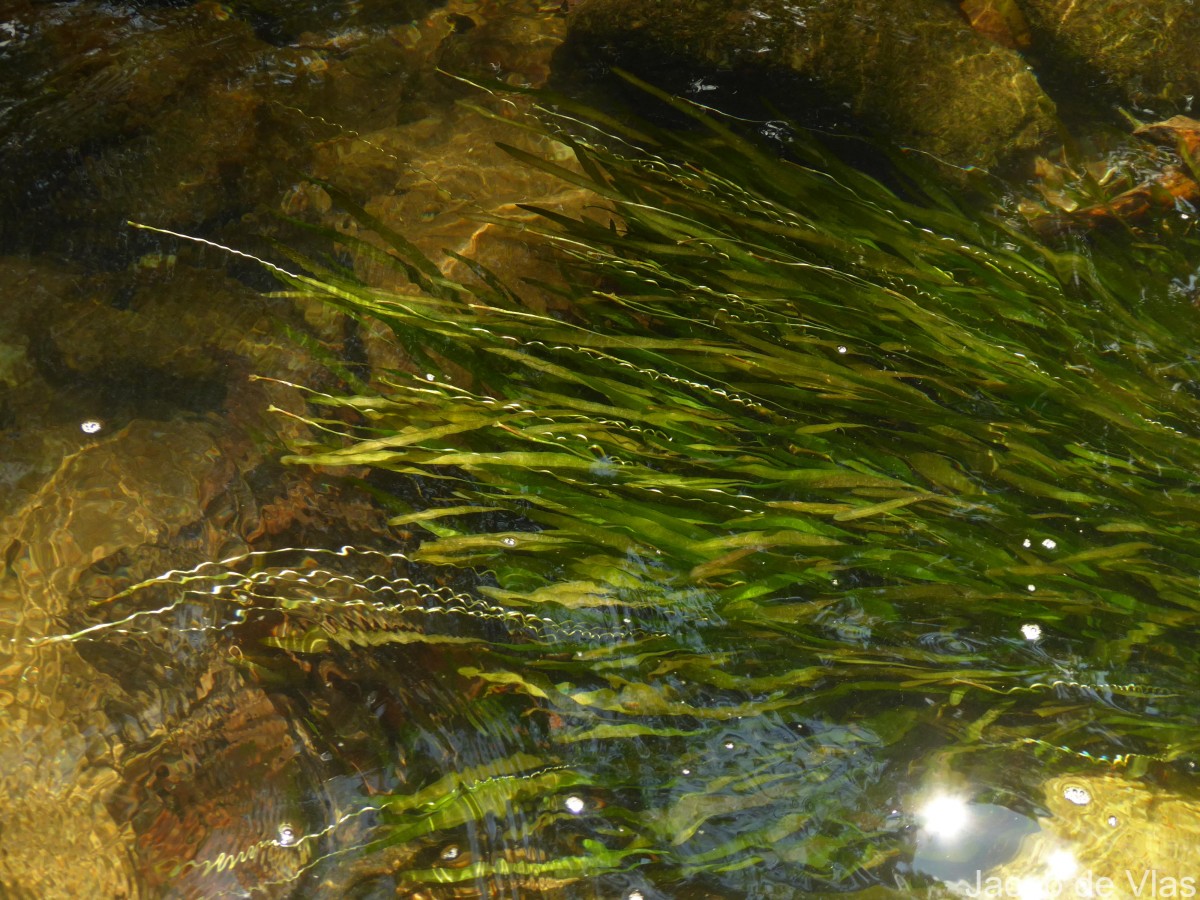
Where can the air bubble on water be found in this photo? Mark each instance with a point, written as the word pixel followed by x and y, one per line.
pixel 1031 631
pixel 450 852
pixel 287 836
pixel 91 426
pixel 575 805
pixel 1049 543
pixel 1031 587
pixel 509 541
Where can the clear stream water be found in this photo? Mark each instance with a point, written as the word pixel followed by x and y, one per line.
pixel 201 738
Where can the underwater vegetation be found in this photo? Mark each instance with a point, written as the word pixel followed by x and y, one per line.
pixel 813 494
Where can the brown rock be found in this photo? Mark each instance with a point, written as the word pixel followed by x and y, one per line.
pixel 1146 50
pixel 913 70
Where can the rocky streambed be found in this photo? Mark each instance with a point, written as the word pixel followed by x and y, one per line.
pixel 132 438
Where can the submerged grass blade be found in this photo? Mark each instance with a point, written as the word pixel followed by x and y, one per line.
pixel 799 471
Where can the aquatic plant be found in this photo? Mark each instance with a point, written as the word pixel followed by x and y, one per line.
pixel 814 492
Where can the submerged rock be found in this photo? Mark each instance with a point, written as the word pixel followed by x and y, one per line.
pixel 911 69
pixel 1000 21
pixel 445 184
pixel 133 442
pixel 1141 839
pixel 180 117
pixel 1145 52
pixel 144 763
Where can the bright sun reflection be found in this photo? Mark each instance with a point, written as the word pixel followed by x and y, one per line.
pixel 1062 864
pixel 1031 888
pixel 945 817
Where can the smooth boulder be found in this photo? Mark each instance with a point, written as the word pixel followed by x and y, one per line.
pixel 911 70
